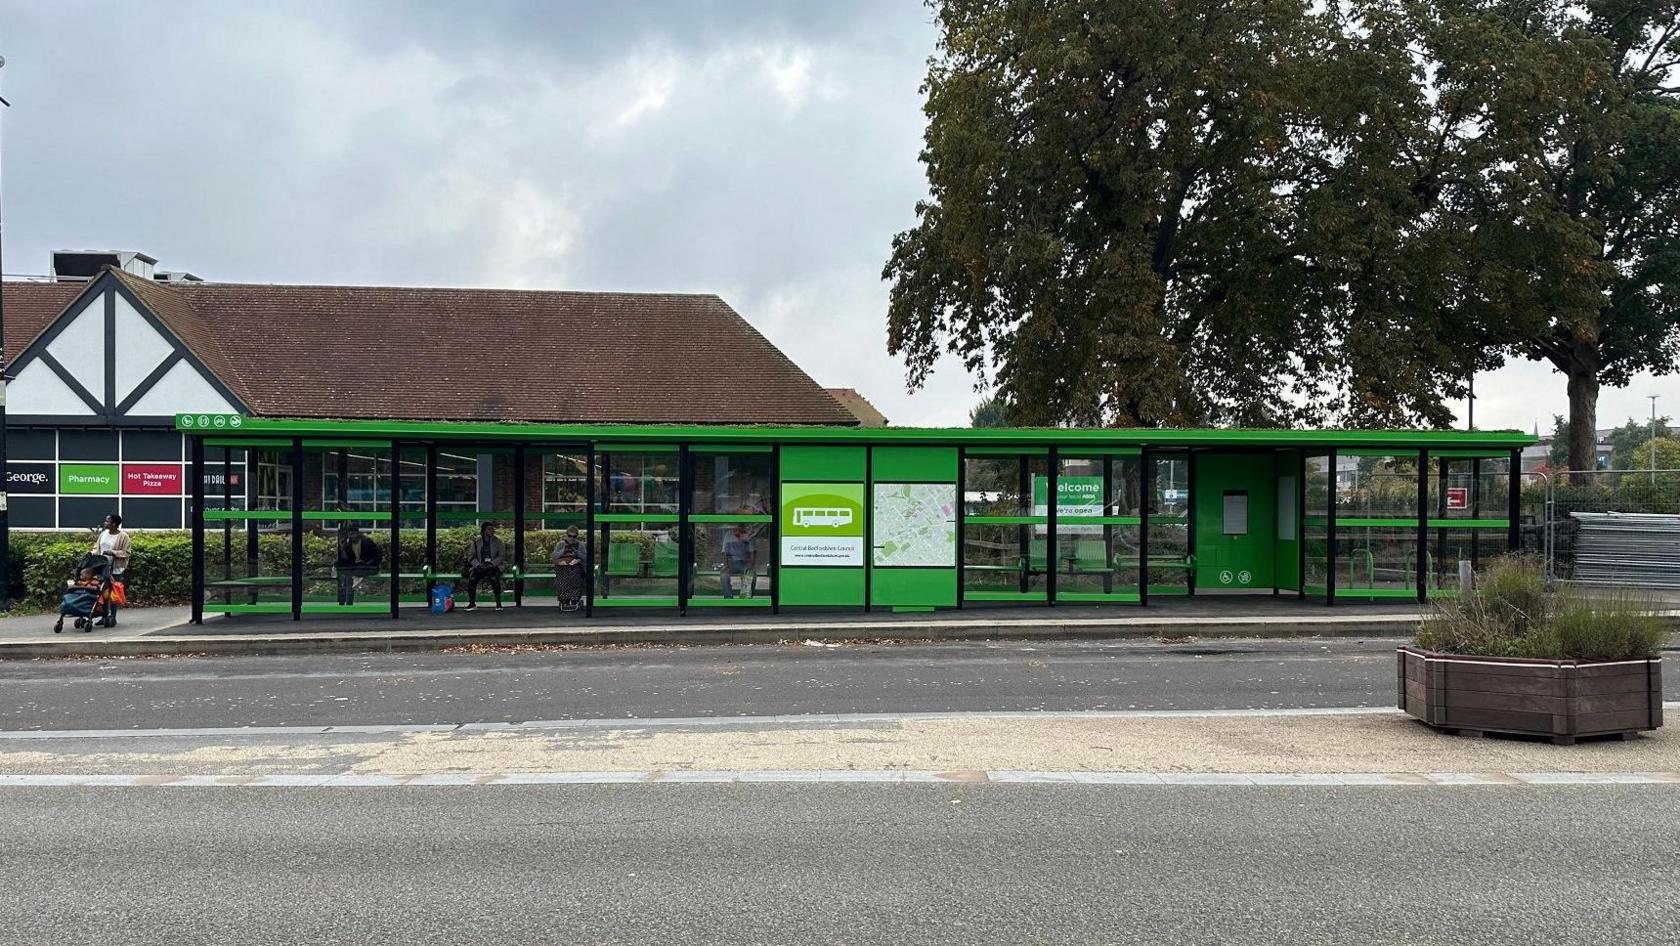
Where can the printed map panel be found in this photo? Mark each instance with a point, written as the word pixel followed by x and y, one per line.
pixel 915 525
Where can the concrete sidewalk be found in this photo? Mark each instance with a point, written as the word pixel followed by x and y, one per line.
pixel 165 631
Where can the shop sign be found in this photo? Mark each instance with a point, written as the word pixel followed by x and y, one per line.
pixel 213 480
pixel 822 524
pixel 30 477
pixel 92 479
pixel 152 479
pixel 1077 497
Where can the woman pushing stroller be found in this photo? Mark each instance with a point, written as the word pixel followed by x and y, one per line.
pixel 98 586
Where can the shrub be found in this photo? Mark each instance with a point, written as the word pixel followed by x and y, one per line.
pixel 1510 613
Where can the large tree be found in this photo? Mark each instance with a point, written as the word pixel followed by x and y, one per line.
pixel 1269 212
pixel 1575 187
pixel 1183 211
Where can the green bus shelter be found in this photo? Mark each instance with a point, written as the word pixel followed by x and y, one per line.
pixel 702 517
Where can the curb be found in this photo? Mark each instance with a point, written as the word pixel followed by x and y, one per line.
pixel 833 632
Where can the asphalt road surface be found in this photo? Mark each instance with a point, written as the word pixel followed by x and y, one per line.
pixel 644 682
pixel 856 864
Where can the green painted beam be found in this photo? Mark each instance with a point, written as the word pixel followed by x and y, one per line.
pixel 664 437
pixel 726 517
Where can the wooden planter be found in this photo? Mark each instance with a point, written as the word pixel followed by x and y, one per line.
pixel 1560 699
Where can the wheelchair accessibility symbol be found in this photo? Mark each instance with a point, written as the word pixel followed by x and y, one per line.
pixel 1225 577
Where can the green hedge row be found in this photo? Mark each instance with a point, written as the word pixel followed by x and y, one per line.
pixel 160 568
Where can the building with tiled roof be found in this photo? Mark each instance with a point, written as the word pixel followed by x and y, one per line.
pixel 100 366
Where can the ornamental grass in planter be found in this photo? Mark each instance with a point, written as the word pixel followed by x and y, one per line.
pixel 1514 656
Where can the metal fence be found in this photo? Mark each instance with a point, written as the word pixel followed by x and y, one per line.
pixel 1606 527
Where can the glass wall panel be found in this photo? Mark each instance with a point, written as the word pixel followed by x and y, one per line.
pixel 1002 559
pixel 411 506
pixel 1376 487
pixel 1317 538
pixel 643 483
pixel 732 484
pixel 347 527
pixel 1169 524
pixel 1457 553
pixel 1375 559
pixel 556 485
pixel 640 563
pixel 731 563
pixel 248 552
pixel 1097 560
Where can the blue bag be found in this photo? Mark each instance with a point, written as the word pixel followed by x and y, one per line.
pixel 443 598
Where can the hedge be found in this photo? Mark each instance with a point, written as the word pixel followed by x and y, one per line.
pixel 160 566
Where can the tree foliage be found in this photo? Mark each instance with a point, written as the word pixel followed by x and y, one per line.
pixel 1279 212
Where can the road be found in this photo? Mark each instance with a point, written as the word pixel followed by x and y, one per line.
pixel 644 682
pixel 783 865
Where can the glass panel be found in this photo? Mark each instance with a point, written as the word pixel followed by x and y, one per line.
pixel 1125 486
pixel 992 487
pixel 1376 487
pixel 457 479
pixel 248 562
pixel 642 483
pixel 412 508
pixel 1169 529
pixel 731 561
pixel 726 483
pixel 640 560
pixel 1455 554
pixel 347 557
pixel 1318 486
pixel 1003 559
pixel 1370 558
pixel 1317 540
pixel 1096 560
pixel 556 487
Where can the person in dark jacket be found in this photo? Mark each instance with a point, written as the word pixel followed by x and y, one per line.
pixel 358 557
pixel 485 560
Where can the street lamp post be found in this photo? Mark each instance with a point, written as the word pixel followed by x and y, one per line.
pixel 1653 398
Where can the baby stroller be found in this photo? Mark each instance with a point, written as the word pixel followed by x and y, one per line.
pixel 92 601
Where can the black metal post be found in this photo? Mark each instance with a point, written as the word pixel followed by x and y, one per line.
pixel 1423 526
pixel 1146 495
pixel 1330 545
pixel 592 559
pixel 1052 549
pixel 519 524
pixel 394 566
pixel 297 528
pixel 5 482
pixel 198 530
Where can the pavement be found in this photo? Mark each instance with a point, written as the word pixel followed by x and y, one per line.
pixel 167 632
pixel 790 865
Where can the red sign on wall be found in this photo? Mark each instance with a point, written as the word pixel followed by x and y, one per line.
pixel 151 479
pixel 1458 497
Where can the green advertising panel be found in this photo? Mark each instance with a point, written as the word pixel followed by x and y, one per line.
pixel 101 479
pixel 1077 497
pixel 822 524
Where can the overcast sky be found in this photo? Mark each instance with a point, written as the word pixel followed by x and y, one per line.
pixel 764 151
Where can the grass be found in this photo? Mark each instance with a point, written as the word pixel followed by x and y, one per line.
pixel 1510 612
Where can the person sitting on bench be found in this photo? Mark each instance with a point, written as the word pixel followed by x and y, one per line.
pixel 484 564
pixel 358 557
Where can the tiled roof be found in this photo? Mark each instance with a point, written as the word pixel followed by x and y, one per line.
pixel 486 354
pixel 30 307
pixel 865 412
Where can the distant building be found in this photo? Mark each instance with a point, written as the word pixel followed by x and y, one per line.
pixel 859 406
pixel 1539 454
pixel 104 353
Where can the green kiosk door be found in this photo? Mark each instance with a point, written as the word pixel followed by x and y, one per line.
pixel 1236 521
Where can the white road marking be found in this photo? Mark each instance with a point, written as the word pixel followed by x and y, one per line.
pixel 886 776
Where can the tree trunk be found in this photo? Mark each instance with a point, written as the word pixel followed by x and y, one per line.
pixel 1583 422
